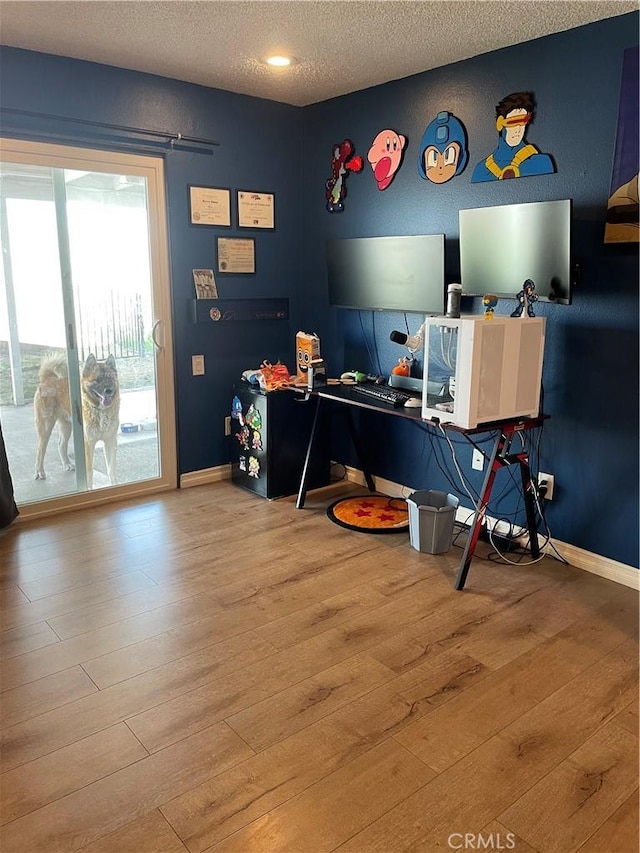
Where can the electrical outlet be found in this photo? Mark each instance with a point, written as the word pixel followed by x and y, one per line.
pixel 477 461
pixel 227 425
pixel 549 484
pixel 197 365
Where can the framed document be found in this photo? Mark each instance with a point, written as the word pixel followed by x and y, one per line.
pixel 256 210
pixel 235 254
pixel 210 206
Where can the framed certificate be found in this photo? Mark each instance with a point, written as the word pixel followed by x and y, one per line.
pixel 210 206
pixel 236 254
pixel 256 210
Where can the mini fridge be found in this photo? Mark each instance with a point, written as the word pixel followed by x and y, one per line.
pixel 270 432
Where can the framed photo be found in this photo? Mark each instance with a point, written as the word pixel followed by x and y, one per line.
pixel 256 210
pixel 210 206
pixel 236 254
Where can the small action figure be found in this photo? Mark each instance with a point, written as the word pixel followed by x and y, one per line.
pixel 489 301
pixel 526 297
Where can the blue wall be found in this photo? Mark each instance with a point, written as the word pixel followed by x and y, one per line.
pixel 259 149
pixel 591 358
pixel 591 361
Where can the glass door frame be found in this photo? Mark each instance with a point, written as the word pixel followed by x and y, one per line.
pixel 152 169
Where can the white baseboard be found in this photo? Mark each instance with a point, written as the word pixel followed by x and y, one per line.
pixel 206 475
pixel 597 565
pixel 577 557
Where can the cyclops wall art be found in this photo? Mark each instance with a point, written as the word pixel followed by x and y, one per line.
pixel 513 157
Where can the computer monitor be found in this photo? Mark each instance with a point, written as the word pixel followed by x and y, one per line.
pixel 501 247
pixel 387 273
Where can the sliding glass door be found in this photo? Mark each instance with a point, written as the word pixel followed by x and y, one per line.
pixel 86 381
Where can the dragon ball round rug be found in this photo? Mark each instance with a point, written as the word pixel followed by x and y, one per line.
pixel 371 514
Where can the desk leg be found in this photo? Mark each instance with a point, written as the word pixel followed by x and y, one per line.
pixel 474 533
pixel 302 491
pixel 356 445
pixel 529 506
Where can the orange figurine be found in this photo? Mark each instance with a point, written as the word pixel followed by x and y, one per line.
pixel 403 367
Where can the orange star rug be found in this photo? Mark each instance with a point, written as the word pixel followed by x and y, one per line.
pixel 371 514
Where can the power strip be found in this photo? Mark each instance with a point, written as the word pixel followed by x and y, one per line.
pixel 503 544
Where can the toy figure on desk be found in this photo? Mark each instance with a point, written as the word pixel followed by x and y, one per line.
pixel 489 301
pixel 526 297
pixel 403 367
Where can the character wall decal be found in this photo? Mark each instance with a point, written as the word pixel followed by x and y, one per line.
pixel 443 150
pixel 343 160
pixel 513 157
pixel 385 156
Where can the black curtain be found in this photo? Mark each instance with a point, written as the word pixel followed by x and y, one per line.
pixel 8 508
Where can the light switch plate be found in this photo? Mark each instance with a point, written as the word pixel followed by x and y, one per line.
pixel 197 365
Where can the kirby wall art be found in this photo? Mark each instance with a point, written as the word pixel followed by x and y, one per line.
pixel 385 156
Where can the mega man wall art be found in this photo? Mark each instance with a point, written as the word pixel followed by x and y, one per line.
pixel 513 157
pixel 343 160
pixel 443 149
pixel 385 156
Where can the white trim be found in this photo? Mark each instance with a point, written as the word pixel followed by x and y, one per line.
pixel 604 567
pixel 206 475
pixel 86 500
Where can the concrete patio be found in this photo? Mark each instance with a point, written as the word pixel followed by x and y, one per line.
pixel 138 455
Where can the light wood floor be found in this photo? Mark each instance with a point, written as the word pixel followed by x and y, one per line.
pixel 208 671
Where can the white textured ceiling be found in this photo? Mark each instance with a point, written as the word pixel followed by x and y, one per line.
pixel 340 46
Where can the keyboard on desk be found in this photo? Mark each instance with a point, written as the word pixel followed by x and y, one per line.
pixel 381 394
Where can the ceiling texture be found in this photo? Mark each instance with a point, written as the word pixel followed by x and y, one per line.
pixel 339 46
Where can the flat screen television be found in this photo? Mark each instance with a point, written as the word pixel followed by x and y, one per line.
pixel 387 273
pixel 501 247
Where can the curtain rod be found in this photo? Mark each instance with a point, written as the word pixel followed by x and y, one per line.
pixel 170 137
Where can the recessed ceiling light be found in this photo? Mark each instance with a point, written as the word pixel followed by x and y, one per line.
pixel 279 61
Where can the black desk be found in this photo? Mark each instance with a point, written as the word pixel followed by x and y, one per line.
pixel 499 457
